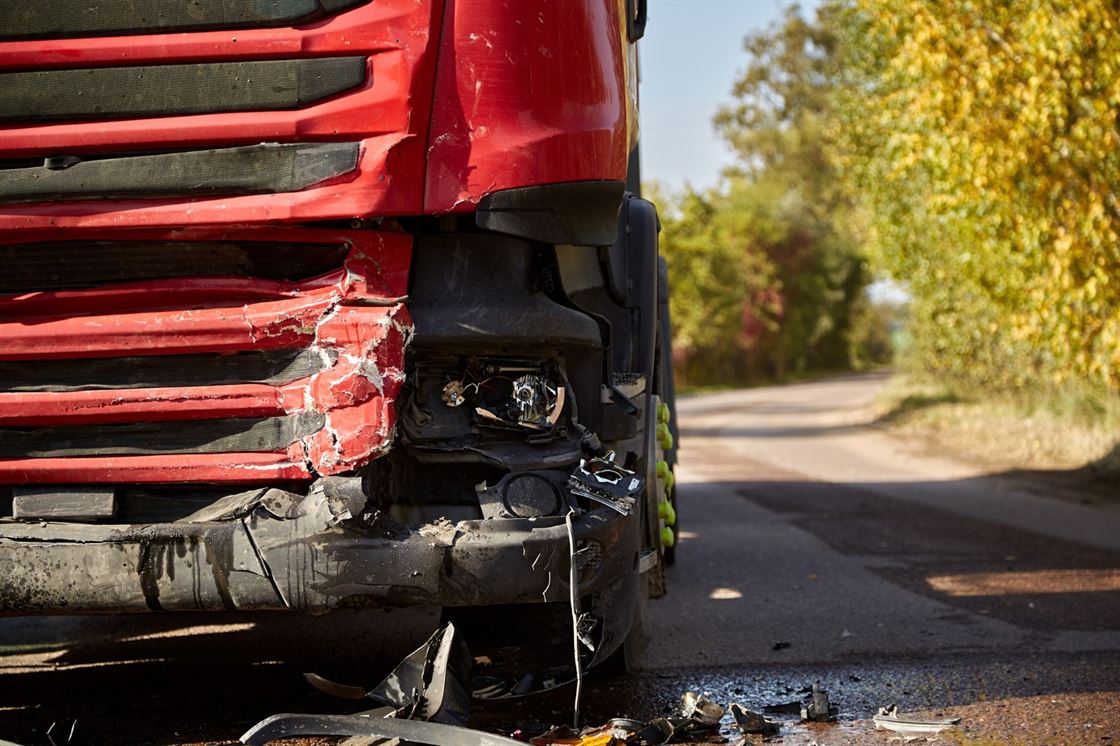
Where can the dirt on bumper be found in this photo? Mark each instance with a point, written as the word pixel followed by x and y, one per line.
pixel 271 549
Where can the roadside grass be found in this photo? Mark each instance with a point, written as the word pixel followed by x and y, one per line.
pixel 1066 429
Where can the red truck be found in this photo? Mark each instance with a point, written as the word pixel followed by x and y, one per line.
pixel 308 304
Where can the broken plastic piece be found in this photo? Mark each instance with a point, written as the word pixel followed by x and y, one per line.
pixel 698 718
pixel 431 683
pixel 607 735
pixel 749 722
pixel 819 710
pixel 656 732
pixel 887 719
pixel 701 709
pixel 605 482
pixel 783 708
pixel 286 725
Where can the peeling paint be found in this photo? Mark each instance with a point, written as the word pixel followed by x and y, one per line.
pixel 353 319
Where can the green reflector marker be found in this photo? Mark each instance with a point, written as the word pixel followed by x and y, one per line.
pixel 667 538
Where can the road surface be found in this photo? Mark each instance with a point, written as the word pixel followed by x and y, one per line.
pixel 815 548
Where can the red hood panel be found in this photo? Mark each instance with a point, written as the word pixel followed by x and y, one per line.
pixel 528 93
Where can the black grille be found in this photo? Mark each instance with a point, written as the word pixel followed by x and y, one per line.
pixel 169 90
pixel 161 371
pixel 81 264
pixel 34 19
pixel 255 169
pixel 244 435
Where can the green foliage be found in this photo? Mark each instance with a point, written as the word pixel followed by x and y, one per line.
pixel 981 137
pixel 767 274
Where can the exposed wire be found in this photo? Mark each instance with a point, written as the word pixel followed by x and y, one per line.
pixel 573 584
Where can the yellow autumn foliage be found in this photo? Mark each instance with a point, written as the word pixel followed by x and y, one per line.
pixel 981 138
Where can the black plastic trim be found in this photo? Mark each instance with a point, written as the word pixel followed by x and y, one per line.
pixel 247 435
pixel 59 265
pixel 637 14
pixel 40 19
pixel 175 90
pixel 275 367
pixel 254 169
pixel 582 213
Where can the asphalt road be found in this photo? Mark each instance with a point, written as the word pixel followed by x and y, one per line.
pixel 816 548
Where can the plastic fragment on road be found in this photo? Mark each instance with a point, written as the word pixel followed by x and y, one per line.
pixel 430 684
pixel 696 720
pixel 288 725
pixel 700 709
pixel 616 731
pixel 792 707
pixel 819 709
pixel 425 699
pixel 749 722
pixel 887 719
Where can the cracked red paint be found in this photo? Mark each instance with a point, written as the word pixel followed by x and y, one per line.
pixel 354 317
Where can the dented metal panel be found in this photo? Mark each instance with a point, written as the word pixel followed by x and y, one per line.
pixel 323 366
pixel 269 548
pixel 529 93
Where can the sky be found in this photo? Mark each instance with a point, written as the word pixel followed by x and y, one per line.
pixel 690 56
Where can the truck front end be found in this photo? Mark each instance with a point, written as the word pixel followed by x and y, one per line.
pixel 309 304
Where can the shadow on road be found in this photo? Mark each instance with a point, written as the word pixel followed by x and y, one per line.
pixel 188 678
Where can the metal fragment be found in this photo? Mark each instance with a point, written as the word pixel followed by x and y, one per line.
pixel 431 683
pixel 288 725
pixel 819 709
pixel 887 719
pixel 749 722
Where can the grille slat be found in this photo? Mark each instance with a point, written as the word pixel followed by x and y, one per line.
pixel 274 367
pixel 255 169
pixel 244 435
pixel 37 19
pixel 58 265
pixel 171 90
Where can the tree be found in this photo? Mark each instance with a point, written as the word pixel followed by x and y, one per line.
pixel 981 137
pixel 781 126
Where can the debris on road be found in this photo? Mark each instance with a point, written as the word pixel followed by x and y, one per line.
pixel 819 709
pixel 749 722
pixel 431 683
pixel 286 725
pixel 887 719
pixel 696 720
pixel 698 716
pixel 616 731
pixel 783 708
pixel 425 699
pixel 780 646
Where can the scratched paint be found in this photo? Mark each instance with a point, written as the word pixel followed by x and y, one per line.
pixel 354 318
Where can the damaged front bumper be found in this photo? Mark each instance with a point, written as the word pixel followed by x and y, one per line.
pixel 271 549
